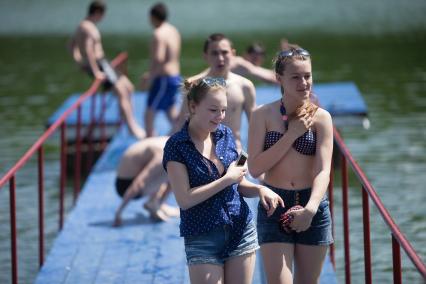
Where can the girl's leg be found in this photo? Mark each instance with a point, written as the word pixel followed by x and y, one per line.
pixel 240 269
pixel 277 260
pixel 206 274
pixel 308 263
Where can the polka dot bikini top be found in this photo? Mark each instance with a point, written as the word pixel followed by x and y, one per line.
pixel 305 144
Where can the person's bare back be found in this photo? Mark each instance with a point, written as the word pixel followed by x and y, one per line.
pixel 167 43
pixel 139 154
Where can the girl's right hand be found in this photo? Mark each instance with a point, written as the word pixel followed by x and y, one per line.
pixel 235 173
pixel 300 124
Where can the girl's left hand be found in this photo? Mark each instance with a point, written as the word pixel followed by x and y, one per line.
pixel 269 200
pixel 302 220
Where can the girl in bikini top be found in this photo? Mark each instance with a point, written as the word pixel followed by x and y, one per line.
pixel 305 144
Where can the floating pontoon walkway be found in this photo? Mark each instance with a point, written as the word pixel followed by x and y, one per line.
pixel 90 250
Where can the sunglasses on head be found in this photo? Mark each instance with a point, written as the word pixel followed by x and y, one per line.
pixel 212 81
pixel 292 52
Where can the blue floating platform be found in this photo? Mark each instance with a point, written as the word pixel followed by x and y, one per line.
pixel 341 99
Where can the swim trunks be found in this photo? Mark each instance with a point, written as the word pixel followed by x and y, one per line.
pixel 121 185
pixel 163 91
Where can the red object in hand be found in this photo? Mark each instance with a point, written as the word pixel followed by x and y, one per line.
pixel 286 218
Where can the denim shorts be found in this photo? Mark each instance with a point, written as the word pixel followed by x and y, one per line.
pixel 319 233
pixel 211 247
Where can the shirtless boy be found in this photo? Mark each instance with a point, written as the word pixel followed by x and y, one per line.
pixel 163 78
pixel 87 51
pixel 140 174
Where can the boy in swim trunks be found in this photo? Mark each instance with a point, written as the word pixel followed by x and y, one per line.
pixel 87 51
pixel 140 174
pixel 162 79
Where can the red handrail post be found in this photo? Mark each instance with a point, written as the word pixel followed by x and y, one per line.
pixel 13 233
pixel 63 174
pixel 89 161
pixel 102 122
pixel 396 255
pixel 77 161
pixel 331 200
pixel 367 241
pixel 40 206
pixel 345 203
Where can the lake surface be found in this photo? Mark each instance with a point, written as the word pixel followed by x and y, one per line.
pixel 364 43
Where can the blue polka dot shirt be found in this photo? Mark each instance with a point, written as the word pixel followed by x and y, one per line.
pixel 227 207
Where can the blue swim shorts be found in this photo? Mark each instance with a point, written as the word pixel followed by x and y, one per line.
pixel 319 233
pixel 211 247
pixel 163 91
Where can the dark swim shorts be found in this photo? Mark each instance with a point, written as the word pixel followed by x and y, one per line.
pixel 121 185
pixel 111 75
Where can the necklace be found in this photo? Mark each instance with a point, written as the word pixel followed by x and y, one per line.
pixel 284 115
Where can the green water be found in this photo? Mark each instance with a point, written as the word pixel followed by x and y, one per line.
pixel 379 45
pixel 37 76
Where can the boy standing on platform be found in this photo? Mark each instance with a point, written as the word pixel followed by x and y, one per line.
pixel 163 78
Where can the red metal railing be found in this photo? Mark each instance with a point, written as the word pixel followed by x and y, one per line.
pixel 37 148
pixel 368 192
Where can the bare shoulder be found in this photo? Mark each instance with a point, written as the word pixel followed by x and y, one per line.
pixel 197 76
pixel 323 117
pixel 173 29
pixel 240 80
pixel 88 28
pixel 165 31
pixel 265 110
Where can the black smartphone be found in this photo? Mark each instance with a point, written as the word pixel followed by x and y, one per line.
pixel 242 158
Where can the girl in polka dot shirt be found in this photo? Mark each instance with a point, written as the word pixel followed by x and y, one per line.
pixel 216 223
